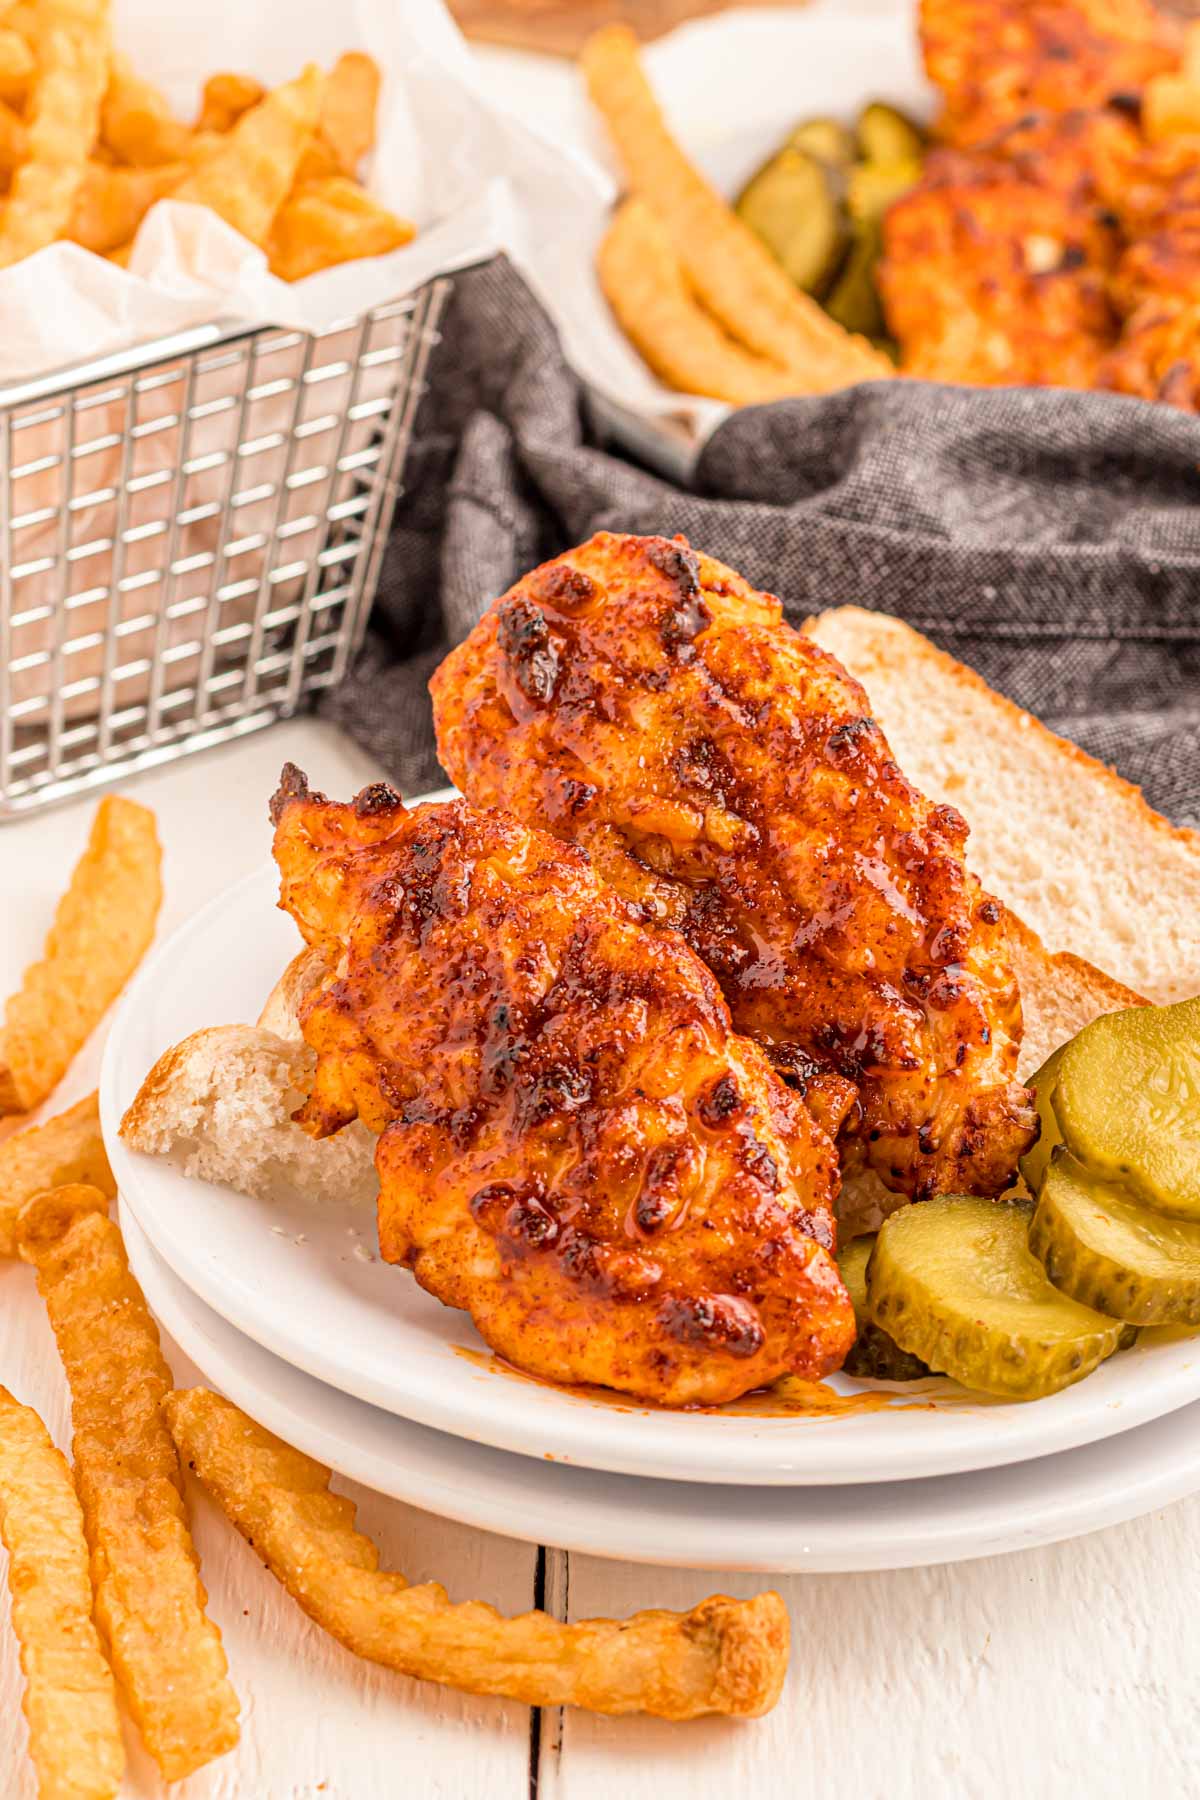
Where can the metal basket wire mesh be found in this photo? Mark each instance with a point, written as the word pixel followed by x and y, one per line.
pixel 190 538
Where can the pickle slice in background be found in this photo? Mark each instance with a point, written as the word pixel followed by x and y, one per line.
pixel 875 1356
pixel 954 1281
pixel 797 205
pixel 1036 1159
pixel 1113 1253
pixel 827 139
pixel 886 136
pixel 1127 1101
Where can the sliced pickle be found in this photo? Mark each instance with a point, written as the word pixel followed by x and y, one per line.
pixel 1127 1101
pixel 796 205
pixel 1036 1159
pixel 886 136
pixel 827 139
pixel 875 1356
pixel 955 1282
pixel 1111 1252
pixel 854 298
pixel 874 186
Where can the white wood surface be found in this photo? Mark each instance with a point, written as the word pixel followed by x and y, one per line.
pixel 1053 1673
pixel 315 1720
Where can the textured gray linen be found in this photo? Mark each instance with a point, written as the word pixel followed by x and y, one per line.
pixel 1049 539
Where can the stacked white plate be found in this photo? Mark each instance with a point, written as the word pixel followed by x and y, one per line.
pixel 290 1312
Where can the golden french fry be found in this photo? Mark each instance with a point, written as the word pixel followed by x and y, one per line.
pixel 328 222
pixel 71 46
pixel 135 121
pixel 66 1149
pixel 150 1600
pixel 225 98
pixel 70 1702
pixel 644 284
pixel 725 1656
pixel 14 138
pixel 247 178
pixel 347 120
pixel 17 63
pixel 102 928
pixel 734 275
pixel 112 202
pixel 317 163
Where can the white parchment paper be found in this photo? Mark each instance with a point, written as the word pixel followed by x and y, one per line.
pixel 468 172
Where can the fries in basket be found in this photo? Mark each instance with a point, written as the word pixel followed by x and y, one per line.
pixel 89 146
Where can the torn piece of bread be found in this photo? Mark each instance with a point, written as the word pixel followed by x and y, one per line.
pixel 1066 844
pixel 219 1105
pixel 281 1014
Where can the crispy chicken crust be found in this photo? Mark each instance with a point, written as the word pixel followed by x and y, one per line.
pixel 997 60
pixel 574 1145
pixel 727 778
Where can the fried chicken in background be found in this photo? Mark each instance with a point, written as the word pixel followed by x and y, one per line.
pixel 1059 244
pixel 575 1147
pixel 995 61
pixel 725 776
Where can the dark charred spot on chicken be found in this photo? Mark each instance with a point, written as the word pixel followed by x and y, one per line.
pixel 990 911
pixel 845 742
pixel 718 1321
pixel 563 587
pixel 293 785
pixel 525 641
pixel 718 1103
pixel 376 799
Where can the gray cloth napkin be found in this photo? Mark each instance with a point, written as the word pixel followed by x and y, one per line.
pixel 1050 539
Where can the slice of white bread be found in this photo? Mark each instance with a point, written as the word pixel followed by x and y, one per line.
pixel 1068 846
pixel 219 1105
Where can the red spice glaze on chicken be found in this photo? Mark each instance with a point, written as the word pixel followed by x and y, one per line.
pixel 726 777
pixel 575 1146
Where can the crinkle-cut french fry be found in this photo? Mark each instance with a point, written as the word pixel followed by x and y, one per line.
pixel 735 276
pixel 725 1656
pixel 112 202
pixel 226 97
pixel 70 1702
pixel 348 105
pixel 150 1601
pixel 17 63
pixel 136 122
pixel 66 1149
pixel 331 221
pixel 101 930
pixel 644 284
pixel 247 178
pixel 71 46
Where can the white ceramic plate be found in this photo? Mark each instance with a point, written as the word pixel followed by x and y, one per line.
pixel 688 1524
pixel 305 1282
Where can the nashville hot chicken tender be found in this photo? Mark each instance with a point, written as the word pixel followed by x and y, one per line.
pixel 726 777
pixel 575 1146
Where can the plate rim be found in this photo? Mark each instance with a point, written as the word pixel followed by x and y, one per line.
pixel 767 1451
pixel 1163 1480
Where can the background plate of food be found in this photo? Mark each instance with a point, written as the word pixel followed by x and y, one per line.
pixel 814 200
pixel 295 1264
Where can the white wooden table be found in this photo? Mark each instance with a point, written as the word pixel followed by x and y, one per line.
pixel 1055 1673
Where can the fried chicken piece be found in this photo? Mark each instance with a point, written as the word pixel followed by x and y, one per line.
pixel 1156 286
pixel 725 775
pixel 997 60
pixel 996 266
pixel 575 1147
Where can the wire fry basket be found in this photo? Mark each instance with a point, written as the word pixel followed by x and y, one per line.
pixel 190 538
